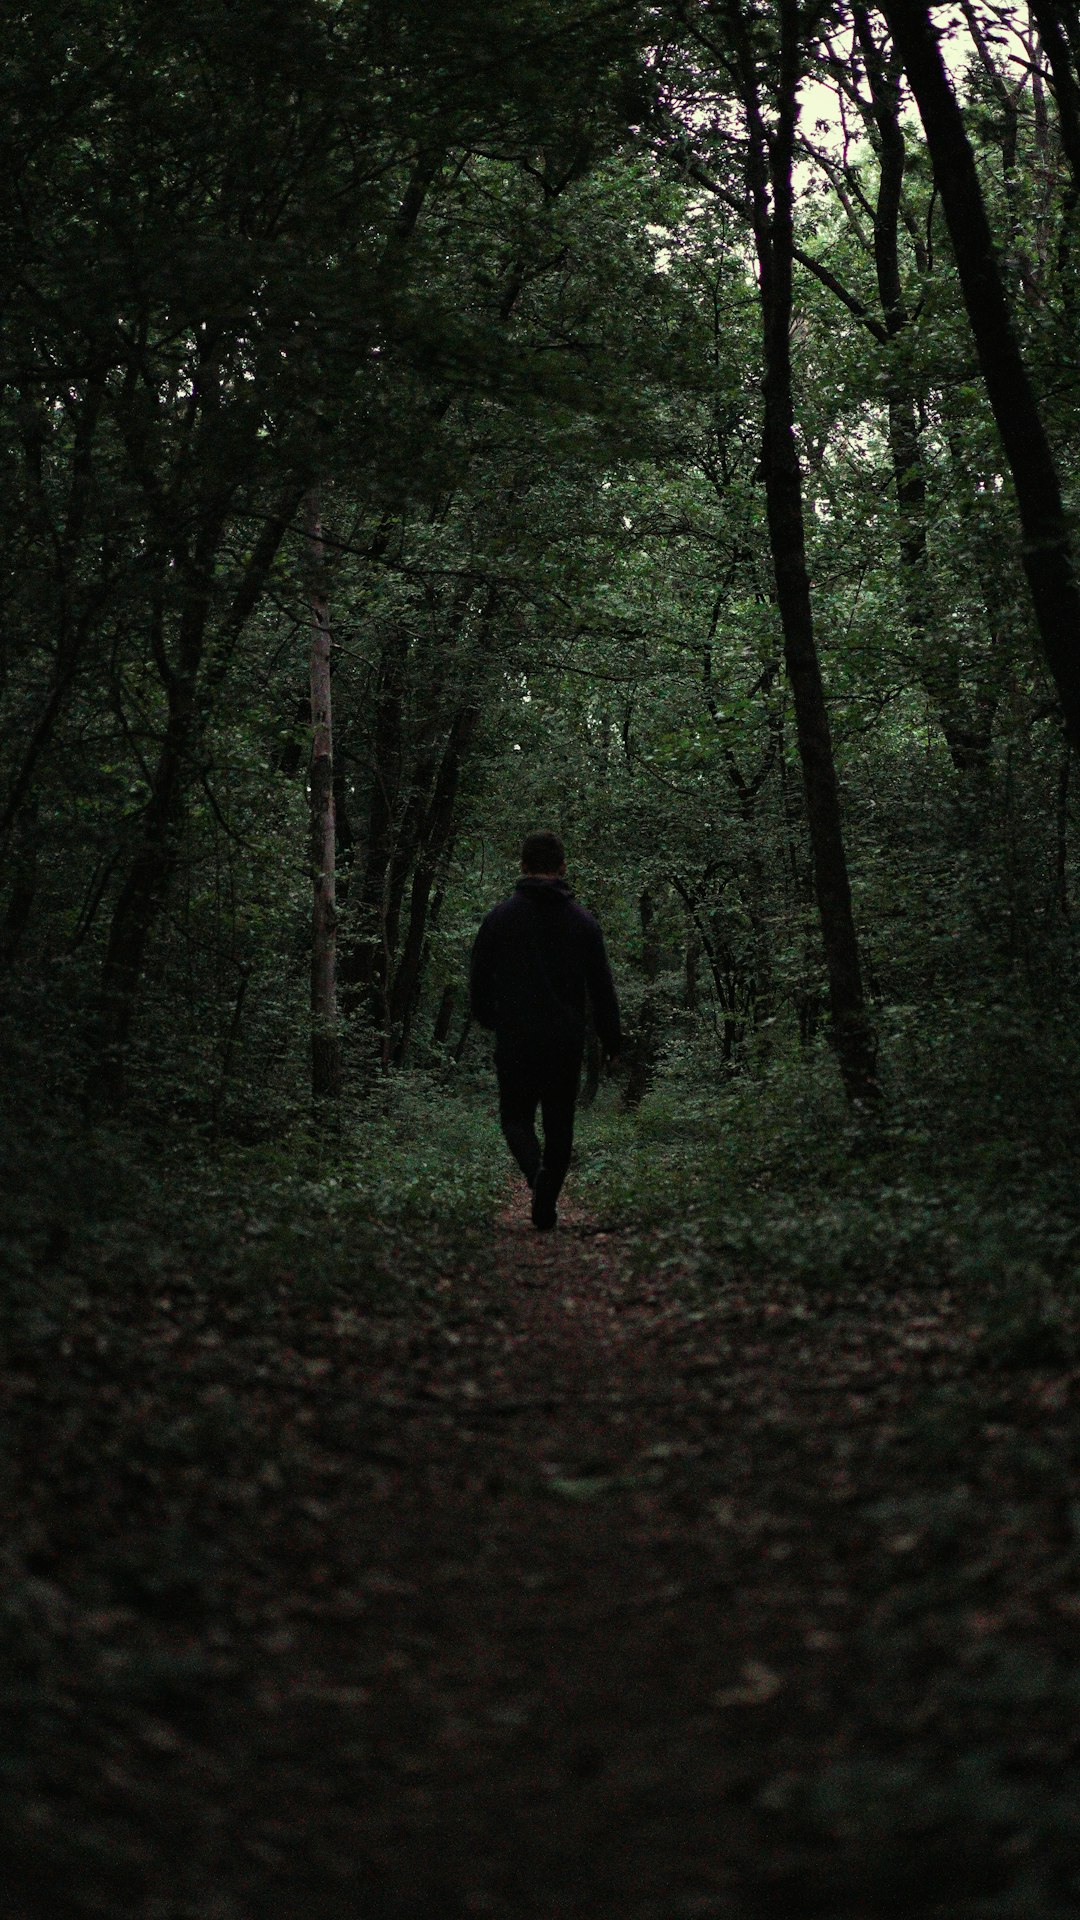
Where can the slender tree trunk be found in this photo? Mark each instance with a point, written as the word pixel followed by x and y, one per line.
pixel 770 155
pixel 325 1032
pixel 24 863
pixel 139 900
pixel 691 963
pixel 410 823
pixel 1050 19
pixel 463 1038
pixel 444 1016
pixel 147 879
pixel 1047 549
pixel 939 665
pixel 434 843
pixel 1061 837
pixel 78 603
pixel 363 970
pixel 233 1035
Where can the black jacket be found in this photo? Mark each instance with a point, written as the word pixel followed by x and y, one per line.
pixel 536 955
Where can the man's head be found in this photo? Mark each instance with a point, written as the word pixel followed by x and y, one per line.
pixel 543 854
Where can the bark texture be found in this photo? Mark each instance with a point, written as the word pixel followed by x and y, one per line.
pixel 770 155
pixel 189 672
pixel 325 1033
pixel 1047 549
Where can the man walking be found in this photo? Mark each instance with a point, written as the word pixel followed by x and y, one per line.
pixel 536 956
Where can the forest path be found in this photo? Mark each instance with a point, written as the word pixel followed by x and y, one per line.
pixel 554 1597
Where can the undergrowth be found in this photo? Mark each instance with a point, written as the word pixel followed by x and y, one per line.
pixel 371 1202
pixel 967 1178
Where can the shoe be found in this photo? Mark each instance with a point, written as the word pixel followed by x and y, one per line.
pixel 544 1212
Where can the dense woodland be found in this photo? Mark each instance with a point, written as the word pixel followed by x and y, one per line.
pixel 586 405
pixel 423 423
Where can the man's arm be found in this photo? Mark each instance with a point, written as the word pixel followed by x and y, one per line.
pixel 482 975
pixel 605 1003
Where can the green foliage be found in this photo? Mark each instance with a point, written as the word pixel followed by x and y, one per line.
pixel 350 1212
pixel 962 1184
pixel 412 1156
pixel 448 267
pixel 436 270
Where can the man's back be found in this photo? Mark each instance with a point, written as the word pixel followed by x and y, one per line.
pixel 537 954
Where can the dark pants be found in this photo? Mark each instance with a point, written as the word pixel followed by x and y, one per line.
pixel 527 1079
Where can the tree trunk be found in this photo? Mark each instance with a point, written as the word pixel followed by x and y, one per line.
pixel 691 963
pixel 141 896
pixel 441 1029
pixel 1061 838
pixel 434 845
pixel 1048 17
pixel 146 882
pixel 325 1033
pixel 78 602
pixel 937 665
pixel 24 864
pixel 770 156
pixel 1047 549
pixel 363 971
pixel 650 950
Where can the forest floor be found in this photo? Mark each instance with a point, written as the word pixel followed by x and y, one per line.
pixel 553 1590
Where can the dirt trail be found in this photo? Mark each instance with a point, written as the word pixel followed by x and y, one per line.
pixel 559 1600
